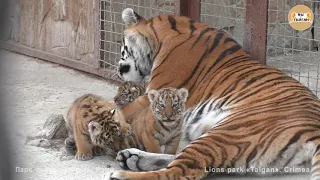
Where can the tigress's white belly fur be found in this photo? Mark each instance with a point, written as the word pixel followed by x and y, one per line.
pixel 192 129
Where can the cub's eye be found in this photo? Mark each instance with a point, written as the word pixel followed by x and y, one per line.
pixel 175 105
pixel 160 106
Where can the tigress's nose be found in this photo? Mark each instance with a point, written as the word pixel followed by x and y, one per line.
pixel 124 69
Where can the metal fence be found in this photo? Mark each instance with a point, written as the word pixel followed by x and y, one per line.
pixel 294 52
pixel 228 15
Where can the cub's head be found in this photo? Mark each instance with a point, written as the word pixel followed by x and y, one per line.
pixel 127 93
pixel 137 48
pixel 168 104
pixel 105 132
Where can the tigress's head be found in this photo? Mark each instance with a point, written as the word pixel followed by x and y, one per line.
pixel 136 50
pixel 127 93
pixel 105 131
pixel 168 104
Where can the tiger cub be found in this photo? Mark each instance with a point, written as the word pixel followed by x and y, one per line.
pixel 167 106
pixel 128 92
pixel 90 113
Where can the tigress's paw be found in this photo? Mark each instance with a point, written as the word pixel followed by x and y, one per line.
pixel 135 160
pixel 83 156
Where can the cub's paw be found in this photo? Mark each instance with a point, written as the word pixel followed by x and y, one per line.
pixel 127 131
pixel 70 146
pixel 98 151
pixel 84 156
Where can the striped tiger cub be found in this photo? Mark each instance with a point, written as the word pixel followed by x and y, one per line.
pixel 248 115
pixel 92 114
pixel 128 92
pixel 167 106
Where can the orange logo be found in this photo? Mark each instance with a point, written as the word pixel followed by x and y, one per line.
pixel 300 17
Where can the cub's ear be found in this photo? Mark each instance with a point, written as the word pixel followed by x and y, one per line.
pixel 134 89
pixel 152 95
pixel 183 93
pixel 113 111
pixel 130 17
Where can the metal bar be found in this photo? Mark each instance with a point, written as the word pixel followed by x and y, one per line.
pixel 181 7
pixel 194 9
pixel 107 74
pixel 189 8
pixel 96 45
pixel 255 35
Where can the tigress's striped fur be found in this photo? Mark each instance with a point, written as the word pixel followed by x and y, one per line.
pixel 257 115
pixel 99 115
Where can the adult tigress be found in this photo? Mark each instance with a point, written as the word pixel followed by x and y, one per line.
pixel 258 116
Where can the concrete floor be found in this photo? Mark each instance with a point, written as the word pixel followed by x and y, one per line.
pixel 34 89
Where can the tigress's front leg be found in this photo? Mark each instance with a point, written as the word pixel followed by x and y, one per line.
pixel 164 174
pixel 191 163
pixel 137 160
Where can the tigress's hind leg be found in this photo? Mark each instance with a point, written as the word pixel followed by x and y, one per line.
pixel 137 160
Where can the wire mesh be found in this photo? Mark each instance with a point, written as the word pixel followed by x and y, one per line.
pixel 111 24
pixel 227 15
pixel 294 52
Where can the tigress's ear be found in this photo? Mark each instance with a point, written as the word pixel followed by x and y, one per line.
pixel 152 95
pixel 183 93
pixel 130 17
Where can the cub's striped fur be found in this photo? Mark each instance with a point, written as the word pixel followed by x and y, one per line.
pixel 253 115
pixel 167 106
pixel 91 110
pixel 128 92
